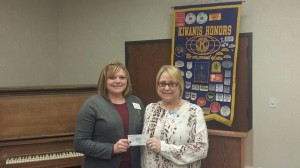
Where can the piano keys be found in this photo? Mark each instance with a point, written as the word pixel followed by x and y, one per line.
pixel 37 125
pixel 42 157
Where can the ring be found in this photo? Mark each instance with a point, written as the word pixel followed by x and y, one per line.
pixel 150 145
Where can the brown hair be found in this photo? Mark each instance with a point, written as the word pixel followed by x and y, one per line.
pixel 175 75
pixel 108 71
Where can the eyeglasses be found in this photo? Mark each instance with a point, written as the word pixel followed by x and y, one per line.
pixel 163 84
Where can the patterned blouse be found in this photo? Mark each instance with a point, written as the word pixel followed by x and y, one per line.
pixel 183 136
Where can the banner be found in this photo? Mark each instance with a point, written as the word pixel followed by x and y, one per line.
pixel 204 47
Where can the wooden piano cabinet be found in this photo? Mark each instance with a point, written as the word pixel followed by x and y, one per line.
pixel 47 152
pixel 37 125
pixel 226 149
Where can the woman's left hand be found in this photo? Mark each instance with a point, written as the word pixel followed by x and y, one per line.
pixel 153 144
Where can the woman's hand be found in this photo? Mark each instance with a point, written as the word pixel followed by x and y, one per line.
pixel 153 144
pixel 121 146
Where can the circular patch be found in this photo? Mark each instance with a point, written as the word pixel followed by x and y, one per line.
pixel 202 18
pixel 215 107
pixel 210 96
pixel 201 101
pixel 179 51
pixel 188 74
pixel 225 111
pixel 190 18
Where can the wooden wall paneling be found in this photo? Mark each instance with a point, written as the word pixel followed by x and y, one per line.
pixel 143 60
pixel 226 149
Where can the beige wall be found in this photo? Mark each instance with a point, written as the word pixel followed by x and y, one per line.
pixel 28 42
pixel 68 41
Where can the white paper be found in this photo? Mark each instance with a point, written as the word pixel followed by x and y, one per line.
pixel 137 140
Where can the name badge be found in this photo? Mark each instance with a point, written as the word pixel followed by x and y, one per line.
pixel 136 106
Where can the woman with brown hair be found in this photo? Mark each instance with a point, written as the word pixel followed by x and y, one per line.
pixel 105 121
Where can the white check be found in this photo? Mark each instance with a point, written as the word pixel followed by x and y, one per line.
pixel 137 140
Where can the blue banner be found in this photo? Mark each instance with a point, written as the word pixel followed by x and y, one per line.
pixel 204 48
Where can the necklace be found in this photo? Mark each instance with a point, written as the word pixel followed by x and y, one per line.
pixel 173 113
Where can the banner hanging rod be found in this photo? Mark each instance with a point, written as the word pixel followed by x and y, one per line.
pixel 172 7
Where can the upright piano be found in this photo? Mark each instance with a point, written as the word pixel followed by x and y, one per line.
pixel 37 125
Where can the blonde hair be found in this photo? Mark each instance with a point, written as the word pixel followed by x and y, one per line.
pixel 108 71
pixel 175 75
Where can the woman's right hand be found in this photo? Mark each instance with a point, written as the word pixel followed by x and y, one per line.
pixel 153 144
pixel 121 146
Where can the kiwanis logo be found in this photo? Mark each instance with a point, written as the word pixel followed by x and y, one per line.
pixel 203 45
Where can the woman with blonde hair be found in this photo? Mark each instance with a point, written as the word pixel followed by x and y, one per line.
pixel 176 128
